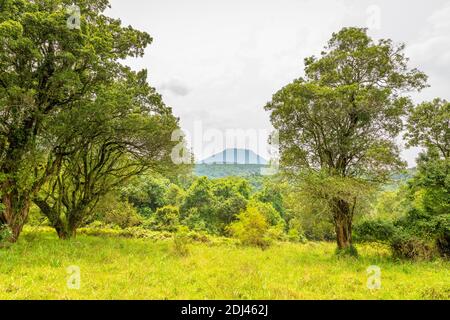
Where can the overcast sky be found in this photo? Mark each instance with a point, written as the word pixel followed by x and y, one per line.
pixel 217 63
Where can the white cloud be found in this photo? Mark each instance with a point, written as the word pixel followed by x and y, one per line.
pixel 175 86
pixel 432 49
pixel 221 61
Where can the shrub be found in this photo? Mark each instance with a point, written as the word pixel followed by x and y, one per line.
pixel 5 235
pixel 194 221
pixel 347 252
pixel 197 236
pixel 443 235
pixel 121 213
pixel 271 215
pixel 295 232
pixel 374 231
pixel 166 219
pixel 181 241
pixel 251 228
pixel 406 246
pixel 443 245
pixel 294 235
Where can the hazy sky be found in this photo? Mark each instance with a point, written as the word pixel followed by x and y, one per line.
pixel 217 63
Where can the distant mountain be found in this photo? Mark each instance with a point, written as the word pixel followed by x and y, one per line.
pixel 235 156
pixel 214 171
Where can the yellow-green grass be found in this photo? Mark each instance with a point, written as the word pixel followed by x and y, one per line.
pixel 118 268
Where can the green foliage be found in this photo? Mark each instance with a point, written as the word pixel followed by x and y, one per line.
pixel 146 192
pixel 5 235
pixel 295 232
pixel 199 202
pixel 312 201
pixel 36 218
pixel 251 228
pixel 428 216
pixel 194 221
pixel 271 215
pixel 390 205
pixel 378 230
pixel 166 219
pixel 48 73
pixel 213 171
pixel 181 242
pixel 272 193
pixel 211 205
pixel 174 195
pixel 347 112
pixel 349 251
pixel 428 126
pixel 111 211
pixel 407 246
pixel 341 120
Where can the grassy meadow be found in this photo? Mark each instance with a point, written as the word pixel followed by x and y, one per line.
pixel 119 268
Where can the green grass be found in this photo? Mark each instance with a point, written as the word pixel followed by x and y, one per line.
pixel 117 268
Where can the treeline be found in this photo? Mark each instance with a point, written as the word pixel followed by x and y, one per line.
pixel 415 219
pixel 222 207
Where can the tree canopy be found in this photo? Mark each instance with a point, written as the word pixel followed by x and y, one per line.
pixel 49 72
pixel 342 118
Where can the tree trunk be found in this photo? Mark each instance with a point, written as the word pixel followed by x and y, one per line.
pixel 61 228
pixel 343 217
pixel 15 212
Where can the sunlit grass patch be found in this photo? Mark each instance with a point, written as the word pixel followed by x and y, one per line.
pixel 118 268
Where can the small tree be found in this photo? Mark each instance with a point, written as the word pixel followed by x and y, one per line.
pixel 167 219
pixel 124 132
pixel 251 228
pixel 429 213
pixel 342 119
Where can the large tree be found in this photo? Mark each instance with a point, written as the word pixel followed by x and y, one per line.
pixel 46 68
pixel 340 121
pixel 429 190
pixel 428 126
pixel 124 132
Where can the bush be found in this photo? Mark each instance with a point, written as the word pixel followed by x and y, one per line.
pixel 443 245
pixel 194 221
pixel 347 252
pixel 406 246
pixel 251 228
pixel 295 232
pixel 166 219
pixel 5 235
pixel 181 241
pixel 99 229
pixel 271 215
pixel 197 236
pixel 443 235
pixel 374 231
pixel 111 211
